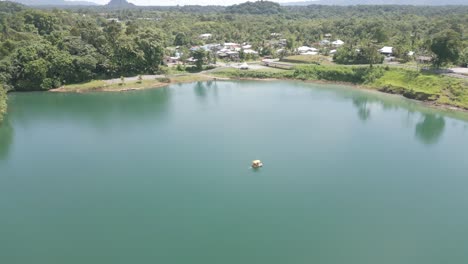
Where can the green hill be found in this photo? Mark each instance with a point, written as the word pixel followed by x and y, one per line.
pixel 257 8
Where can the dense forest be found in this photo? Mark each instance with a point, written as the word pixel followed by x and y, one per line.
pixel 42 49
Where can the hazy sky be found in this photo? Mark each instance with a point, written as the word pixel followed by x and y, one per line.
pixel 186 2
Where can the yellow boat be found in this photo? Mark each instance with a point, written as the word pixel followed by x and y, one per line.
pixel 257 164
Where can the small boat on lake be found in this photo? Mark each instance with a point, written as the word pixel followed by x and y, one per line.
pixel 257 164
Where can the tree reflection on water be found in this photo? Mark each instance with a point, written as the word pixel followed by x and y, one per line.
pixel 6 138
pixel 361 103
pixel 430 129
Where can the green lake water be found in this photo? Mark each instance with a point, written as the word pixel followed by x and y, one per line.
pixel 162 176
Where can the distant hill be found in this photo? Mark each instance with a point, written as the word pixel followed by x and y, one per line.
pixel 258 8
pixel 119 4
pixel 53 3
pixel 377 2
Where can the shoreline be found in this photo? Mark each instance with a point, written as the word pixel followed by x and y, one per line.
pixel 109 86
pixel 155 84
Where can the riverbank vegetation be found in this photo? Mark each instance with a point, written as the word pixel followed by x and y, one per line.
pixel 412 84
pixel 3 102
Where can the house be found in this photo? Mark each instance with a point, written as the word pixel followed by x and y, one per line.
pixel 324 42
pixel 247 46
pixel 333 51
pixel 171 60
pixel 387 51
pixel 205 36
pixel 328 35
pixel 211 47
pixel 191 60
pixel 250 51
pixel 305 49
pixel 337 43
pixel 310 53
pixel 231 45
pixel 282 42
pixel 410 53
pixel 113 19
pixel 228 54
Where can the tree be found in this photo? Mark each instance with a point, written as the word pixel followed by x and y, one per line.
pixel 370 54
pixel 199 55
pixel 446 46
pixel 181 39
pixel 464 58
pixel 290 44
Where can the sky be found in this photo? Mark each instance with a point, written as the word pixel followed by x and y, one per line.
pixel 186 2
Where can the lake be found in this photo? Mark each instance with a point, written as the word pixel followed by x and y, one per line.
pixel 162 176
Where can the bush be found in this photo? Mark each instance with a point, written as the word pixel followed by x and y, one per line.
pixel 338 73
pixel 209 67
pixel 180 67
pixel 163 80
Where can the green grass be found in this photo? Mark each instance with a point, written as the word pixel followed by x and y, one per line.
pixel 267 73
pixel 307 59
pixel 86 85
pixel 409 79
pixel 439 88
pixel 102 85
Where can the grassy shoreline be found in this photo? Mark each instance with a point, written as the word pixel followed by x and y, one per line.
pixel 132 85
pixel 433 90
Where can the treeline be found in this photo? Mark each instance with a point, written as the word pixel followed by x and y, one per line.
pixel 40 50
pixel 257 8
pixel 43 49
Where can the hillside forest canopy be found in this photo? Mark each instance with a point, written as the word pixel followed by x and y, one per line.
pixel 45 48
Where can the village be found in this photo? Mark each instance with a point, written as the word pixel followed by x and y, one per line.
pixel 277 53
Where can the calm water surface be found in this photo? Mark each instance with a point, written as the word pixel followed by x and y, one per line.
pixel 162 176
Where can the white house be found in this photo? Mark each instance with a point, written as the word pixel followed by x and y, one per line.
pixel 231 46
pixel 324 42
pixel 113 20
pixel 205 36
pixel 333 51
pixel 250 51
pixel 309 53
pixel 337 43
pixel 388 51
pixel 306 49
